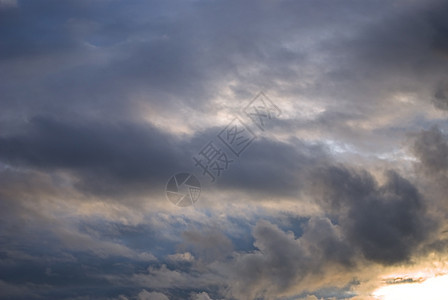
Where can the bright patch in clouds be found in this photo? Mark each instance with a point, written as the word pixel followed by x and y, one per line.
pixel 435 288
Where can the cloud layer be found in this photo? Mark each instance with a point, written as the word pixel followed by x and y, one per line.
pixel 101 102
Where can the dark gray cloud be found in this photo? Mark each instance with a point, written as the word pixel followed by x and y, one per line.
pixel 387 222
pixel 441 97
pixel 273 168
pixel 431 147
pixel 116 158
pixel 105 156
pixel 400 51
pixel 85 60
pixel 282 261
pixel 390 225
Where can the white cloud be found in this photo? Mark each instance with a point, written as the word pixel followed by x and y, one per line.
pixel 145 295
pixel 200 296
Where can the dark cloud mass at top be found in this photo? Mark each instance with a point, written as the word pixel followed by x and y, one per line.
pixel 101 102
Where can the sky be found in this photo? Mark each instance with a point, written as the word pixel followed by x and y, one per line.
pixel 211 149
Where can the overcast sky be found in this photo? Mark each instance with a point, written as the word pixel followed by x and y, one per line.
pixel 338 188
